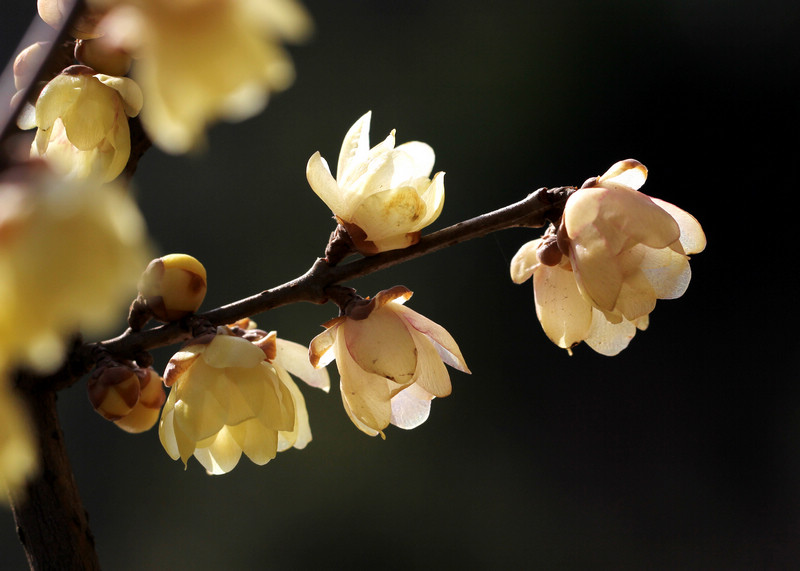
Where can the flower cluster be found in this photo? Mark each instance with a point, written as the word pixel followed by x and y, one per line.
pixel 390 360
pixel 597 277
pixel 231 395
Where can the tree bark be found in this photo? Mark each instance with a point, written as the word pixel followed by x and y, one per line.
pixel 52 523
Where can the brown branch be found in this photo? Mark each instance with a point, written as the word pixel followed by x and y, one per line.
pixel 52 523
pixel 534 211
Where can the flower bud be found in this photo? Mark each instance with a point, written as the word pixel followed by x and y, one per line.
pixel 173 286
pixel 114 391
pixel 145 413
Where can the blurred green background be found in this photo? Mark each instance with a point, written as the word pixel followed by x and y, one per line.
pixel 681 453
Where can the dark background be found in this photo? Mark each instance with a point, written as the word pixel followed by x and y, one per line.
pixel 681 453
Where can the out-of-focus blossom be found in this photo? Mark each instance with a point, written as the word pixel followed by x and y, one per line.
pixel 230 395
pixel 173 286
pixel 383 196
pixel 203 60
pixel 103 56
pixel 70 254
pixel 18 458
pixel 615 253
pixel 82 121
pixel 390 360
pixel 54 12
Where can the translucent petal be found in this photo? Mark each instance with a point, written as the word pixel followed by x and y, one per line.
pixel 93 115
pixel 355 148
pixel 166 432
pixel 129 91
pixel 443 342
pixel 258 442
pixel 320 350
pixel 411 407
pixel 366 395
pixel 219 455
pixel 323 184
pixel 360 425
pixel 667 271
pixel 230 351
pixel 301 435
pixel 607 338
pixel 630 173
pixel 565 316
pixel 597 274
pixel 198 413
pixel 525 262
pixel 57 96
pixel 381 345
pixel 433 196
pixel 391 212
pixel 693 239
pixel 294 358
pixel 418 156
pixel 431 373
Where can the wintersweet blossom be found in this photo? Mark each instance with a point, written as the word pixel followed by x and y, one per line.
pixel 18 456
pixel 82 121
pixel 616 251
pixel 70 254
pixel 390 360
pixel 230 395
pixel 202 60
pixel 383 196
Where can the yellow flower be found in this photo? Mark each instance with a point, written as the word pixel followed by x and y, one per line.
pixel 390 360
pixel 173 286
pixel 18 457
pixel 383 196
pixel 202 60
pixel 231 396
pixel 70 254
pixel 82 121
pixel 615 253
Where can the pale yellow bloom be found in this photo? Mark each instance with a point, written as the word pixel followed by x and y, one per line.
pixel 390 359
pixel 616 252
pixel 70 254
pixel 231 396
pixel 383 196
pixel 18 458
pixel 82 121
pixel 203 60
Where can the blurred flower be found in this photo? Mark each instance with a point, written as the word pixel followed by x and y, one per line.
pixel 54 12
pixel 229 396
pixel 70 254
pixel 383 196
pixel 202 60
pixel 173 286
pixel 82 121
pixel 390 360
pixel 616 251
pixel 18 456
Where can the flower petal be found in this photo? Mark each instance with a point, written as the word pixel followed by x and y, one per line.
pixel 525 262
pixel 411 407
pixel 563 312
pixel 445 345
pixel 294 358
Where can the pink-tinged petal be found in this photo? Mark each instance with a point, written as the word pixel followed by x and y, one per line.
pixel 609 218
pixel 607 338
pixel 294 358
pixel 219 454
pixel 630 173
pixel 381 344
pixel 431 373
pixel 445 345
pixel 411 407
pixel 355 147
pixel 324 185
pixel 366 395
pixel 564 314
pixel 525 262
pixel 693 239
pixel 258 442
pixel 321 349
